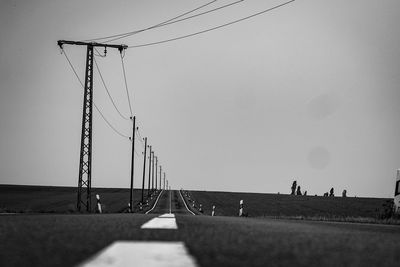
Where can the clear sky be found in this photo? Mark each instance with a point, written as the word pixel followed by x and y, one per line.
pixel 308 92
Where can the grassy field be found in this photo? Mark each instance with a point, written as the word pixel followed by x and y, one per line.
pixel 48 199
pixel 68 239
pixel 282 205
pixel 52 199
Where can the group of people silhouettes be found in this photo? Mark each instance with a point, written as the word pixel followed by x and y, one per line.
pixel 296 190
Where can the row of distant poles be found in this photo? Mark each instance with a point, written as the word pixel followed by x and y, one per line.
pixel 84 199
pixel 85 165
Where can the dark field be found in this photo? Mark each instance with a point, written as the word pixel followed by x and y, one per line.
pixel 68 239
pixel 48 199
pixel 52 199
pixel 280 205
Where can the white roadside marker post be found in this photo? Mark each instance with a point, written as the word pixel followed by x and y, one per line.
pixel 213 211
pixel 129 208
pixel 98 210
pixel 396 199
pixel 241 208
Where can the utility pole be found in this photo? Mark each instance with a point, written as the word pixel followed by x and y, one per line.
pixel 156 173
pixel 152 173
pixel 85 161
pixel 132 162
pixel 144 167
pixel 160 177
pixel 148 189
pixel 164 182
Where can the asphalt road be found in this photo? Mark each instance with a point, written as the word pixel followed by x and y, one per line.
pixel 67 240
pixel 170 201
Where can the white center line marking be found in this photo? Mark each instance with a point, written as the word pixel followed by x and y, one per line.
pixel 142 253
pixel 165 221
pixel 167 215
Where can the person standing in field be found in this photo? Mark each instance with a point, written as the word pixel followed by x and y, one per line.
pixel 298 191
pixel 331 194
pixel 294 185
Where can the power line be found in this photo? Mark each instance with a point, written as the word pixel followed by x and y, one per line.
pixel 138 131
pixel 109 124
pixel 130 138
pixel 213 28
pixel 98 53
pixel 152 27
pixel 98 110
pixel 140 136
pixel 126 85
pixel 108 92
pixel 137 153
pixel 176 21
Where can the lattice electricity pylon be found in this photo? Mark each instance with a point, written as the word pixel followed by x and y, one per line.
pixel 85 161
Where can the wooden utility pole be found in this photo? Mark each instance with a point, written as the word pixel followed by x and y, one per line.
pixel 164 182
pixel 148 189
pixel 160 177
pixel 132 163
pixel 144 167
pixel 156 174
pixel 152 173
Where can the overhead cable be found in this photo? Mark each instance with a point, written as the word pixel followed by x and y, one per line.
pixel 140 137
pixel 126 85
pixel 109 124
pixel 98 110
pixel 152 27
pixel 108 92
pixel 176 21
pixel 213 28
pixel 97 53
pixel 136 153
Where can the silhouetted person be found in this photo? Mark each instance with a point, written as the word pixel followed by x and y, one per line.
pixel 331 194
pixel 294 185
pixel 344 193
pixel 305 193
pixel 326 194
pixel 298 192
